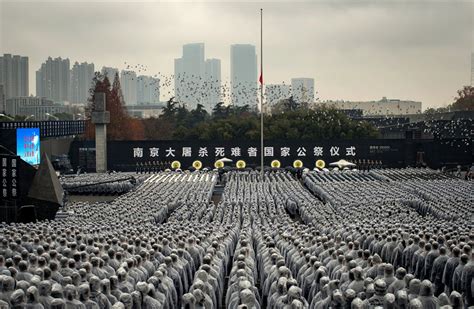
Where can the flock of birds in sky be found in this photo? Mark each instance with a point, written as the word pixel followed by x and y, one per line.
pixel 207 91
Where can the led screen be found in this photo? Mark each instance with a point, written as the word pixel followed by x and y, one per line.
pixel 28 145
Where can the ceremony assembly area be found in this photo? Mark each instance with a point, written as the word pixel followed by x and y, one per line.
pixel 284 224
pixel 151 157
pixel 230 236
pixel 90 219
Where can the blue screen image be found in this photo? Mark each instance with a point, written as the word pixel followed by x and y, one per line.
pixel 28 145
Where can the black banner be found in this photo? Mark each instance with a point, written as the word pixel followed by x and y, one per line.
pixel 125 155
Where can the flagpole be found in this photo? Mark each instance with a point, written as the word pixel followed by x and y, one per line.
pixel 261 91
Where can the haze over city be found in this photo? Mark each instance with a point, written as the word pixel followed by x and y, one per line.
pixel 419 51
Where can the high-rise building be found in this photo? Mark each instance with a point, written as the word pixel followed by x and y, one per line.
pixel 276 92
pixel 178 78
pixel 148 90
pixel 243 71
pixel 2 99
pixel 14 75
pixel 212 83
pixel 189 71
pixel 128 83
pixel 52 79
pixel 472 69
pixel 110 73
pixel 81 82
pixel 302 89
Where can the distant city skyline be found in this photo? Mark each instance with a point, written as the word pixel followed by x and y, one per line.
pixel 81 82
pixel 472 69
pixel 14 75
pixel 128 83
pixel 354 50
pixel 148 90
pixel 213 82
pixel 243 75
pixel 189 75
pixel 53 79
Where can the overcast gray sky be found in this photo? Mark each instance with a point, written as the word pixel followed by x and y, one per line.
pixel 355 50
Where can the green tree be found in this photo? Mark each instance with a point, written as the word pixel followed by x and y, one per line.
pixel 197 115
pixel 219 110
pixel 169 111
pixel 464 100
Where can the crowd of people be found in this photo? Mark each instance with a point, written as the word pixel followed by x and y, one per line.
pixel 427 191
pixel 100 184
pixel 347 239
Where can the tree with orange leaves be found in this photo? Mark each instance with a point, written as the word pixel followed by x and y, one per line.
pixel 121 126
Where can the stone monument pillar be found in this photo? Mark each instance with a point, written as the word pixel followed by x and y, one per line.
pixel 100 117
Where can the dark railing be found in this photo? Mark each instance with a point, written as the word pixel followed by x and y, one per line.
pixel 54 128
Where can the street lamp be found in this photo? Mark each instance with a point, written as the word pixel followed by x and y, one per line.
pixel 8 117
pixel 52 116
pixel 80 117
pixel 29 117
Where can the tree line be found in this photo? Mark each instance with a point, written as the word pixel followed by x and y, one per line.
pixel 289 120
pixel 464 101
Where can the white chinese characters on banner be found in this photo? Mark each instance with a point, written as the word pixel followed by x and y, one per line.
pixel 334 150
pixel 170 152
pixel 138 152
pixel 202 152
pixel 285 151
pixel 154 152
pixel 220 152
pixel 350 151
pixel 301 152
pixel 187 152
pixel 235 151
pixel 268 151
pixel 318 151
pixel 9 181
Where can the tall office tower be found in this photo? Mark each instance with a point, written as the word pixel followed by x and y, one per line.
pixel 243 70
pixel 110 72
pixel 2 99
pixel 212 83
pixel 302 89
pixel 189 71
pixel 128 83
pixel 52 79
pixel 81 81
pixel 276 92
pixel 14 75
pixel 148 90
pixel 472 69
pixel 178 79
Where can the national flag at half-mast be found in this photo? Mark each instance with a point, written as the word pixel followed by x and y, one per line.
pixel 260 79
